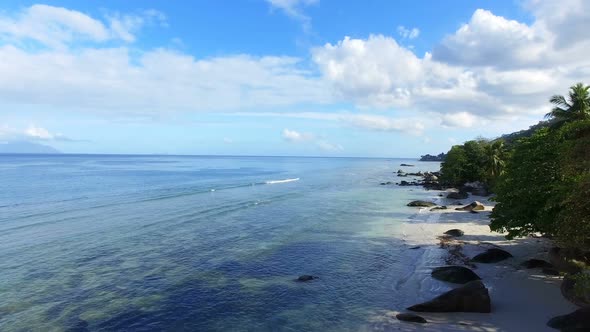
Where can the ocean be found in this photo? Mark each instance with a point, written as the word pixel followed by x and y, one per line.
pixel 202 243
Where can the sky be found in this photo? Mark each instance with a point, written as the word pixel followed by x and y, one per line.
pixel 283 77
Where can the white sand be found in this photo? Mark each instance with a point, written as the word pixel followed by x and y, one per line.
pixel 522 300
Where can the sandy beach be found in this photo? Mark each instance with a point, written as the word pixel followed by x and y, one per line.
pixel 522 299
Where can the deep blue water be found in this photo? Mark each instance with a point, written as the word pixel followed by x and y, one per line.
pixel 168 243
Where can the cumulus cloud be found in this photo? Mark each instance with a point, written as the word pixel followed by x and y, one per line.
pixel 382 123
pixel 491 67
pixel 491 40
pixel 461 119
pixel 408 33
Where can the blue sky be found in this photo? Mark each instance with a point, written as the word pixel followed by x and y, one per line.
pixel 282 77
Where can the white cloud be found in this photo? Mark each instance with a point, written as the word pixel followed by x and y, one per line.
pixel 408 33
pixel 491 40
pixel 491 67
pixel 31 133
pixel 461 119
pixel 38 132
pixel 309 138
pixel 381 123
pixel 159 81
pixel 58 27
pixel 294 9
pixel 295 136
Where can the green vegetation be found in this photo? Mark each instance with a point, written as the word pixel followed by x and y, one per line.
pixel 577 107
pixel 541 177
pixel 477 160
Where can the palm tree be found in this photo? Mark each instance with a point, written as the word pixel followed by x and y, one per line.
pixel 576 107
pixel 495 159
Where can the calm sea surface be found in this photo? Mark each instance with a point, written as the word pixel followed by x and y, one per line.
pixel 174 243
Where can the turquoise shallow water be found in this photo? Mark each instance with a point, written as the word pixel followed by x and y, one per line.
pixel 152 243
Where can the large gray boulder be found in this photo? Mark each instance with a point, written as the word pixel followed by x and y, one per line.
pixel 455 232
pixel 493 255
pixel 474 206
pixel 471 297
pixel 421 204
pixel 455 274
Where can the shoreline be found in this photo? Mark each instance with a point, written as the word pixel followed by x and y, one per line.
pixel 521 299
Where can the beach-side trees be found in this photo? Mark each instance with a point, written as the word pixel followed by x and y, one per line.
pixel 546 186
pixel 477 160
pixel 575 107
pixel 541 177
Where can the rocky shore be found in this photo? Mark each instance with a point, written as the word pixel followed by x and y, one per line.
pixel 480 280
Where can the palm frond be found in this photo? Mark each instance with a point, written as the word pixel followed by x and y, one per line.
pixel 559 101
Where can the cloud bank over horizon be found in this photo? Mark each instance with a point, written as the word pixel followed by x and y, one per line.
pixel 490 71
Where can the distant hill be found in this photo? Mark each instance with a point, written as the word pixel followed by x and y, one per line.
pixel 513 137
pixel 429 157
pixel 26 147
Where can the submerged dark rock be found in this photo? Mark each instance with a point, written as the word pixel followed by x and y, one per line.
pixel 306 277
pixel 407 165
pixel 455 274
pixel 471 297
pixel 493 255
pixel 455 232
pixel 438 208
pixel 421 204
pixel 535 263
pixel 408 317
pixel 578 320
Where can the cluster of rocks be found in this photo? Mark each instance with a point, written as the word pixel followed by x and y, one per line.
pixel 472 207
pixel 473 296
pixel 430 180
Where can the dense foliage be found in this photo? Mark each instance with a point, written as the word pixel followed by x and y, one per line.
pixel 541 177
pixel 477 160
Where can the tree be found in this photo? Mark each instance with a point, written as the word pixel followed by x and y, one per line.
pixel 495 159
pixel 452 169
pixel 527 194
pixel 546 186
pixel 575 107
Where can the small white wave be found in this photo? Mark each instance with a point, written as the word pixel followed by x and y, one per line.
pixel 281 181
